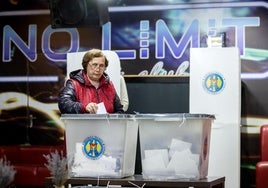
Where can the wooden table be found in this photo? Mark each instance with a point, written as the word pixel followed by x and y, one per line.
pixel 209 182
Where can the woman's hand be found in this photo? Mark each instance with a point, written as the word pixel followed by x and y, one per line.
pixel 92 108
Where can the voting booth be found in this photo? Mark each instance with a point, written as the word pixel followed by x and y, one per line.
pixel 215 87
pixel 101 145
pixel 174 146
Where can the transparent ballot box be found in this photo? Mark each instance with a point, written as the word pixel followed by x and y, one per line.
pixel 102 145
pixel 174 146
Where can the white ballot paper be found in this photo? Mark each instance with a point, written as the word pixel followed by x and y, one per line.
pixel 101 109
pixel 106 166
pixel 176 161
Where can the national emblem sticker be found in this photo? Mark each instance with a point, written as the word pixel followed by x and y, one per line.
pixel 214 83
pixel 93 147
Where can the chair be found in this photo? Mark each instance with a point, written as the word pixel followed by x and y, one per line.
pixel 262 165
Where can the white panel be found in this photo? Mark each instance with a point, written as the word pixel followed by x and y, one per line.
pixel 224 103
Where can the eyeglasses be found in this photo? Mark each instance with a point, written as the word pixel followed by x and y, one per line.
pixel 95 66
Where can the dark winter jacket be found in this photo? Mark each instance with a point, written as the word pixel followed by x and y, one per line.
pixel 78 92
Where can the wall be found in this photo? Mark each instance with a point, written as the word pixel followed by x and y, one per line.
pixel 155 43
pixel 158 95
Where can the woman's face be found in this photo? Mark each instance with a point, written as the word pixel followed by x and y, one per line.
pixel 95 68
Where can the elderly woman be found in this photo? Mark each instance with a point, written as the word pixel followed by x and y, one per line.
pixel 88 87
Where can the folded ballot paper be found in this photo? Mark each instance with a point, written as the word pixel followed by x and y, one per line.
pixel 106 166
pixel 174 162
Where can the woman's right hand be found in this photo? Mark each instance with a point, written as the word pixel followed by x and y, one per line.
pixel 92 108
